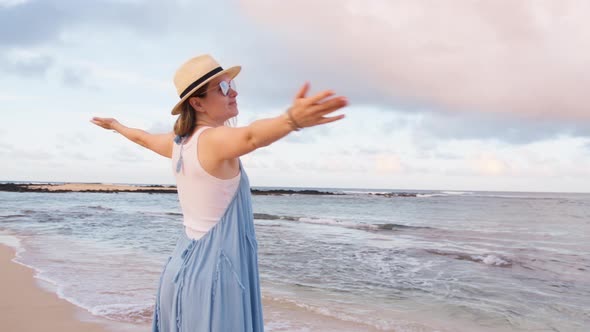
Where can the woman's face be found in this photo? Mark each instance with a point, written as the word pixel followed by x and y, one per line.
pixel 217 106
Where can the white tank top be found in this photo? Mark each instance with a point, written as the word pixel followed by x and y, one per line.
pixel 203 197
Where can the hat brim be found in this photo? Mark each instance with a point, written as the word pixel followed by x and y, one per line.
pixel 232 71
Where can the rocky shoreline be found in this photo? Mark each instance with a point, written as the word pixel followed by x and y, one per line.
pixel 156 189
pixel 281 192
pixel 112 188
pixel 86 188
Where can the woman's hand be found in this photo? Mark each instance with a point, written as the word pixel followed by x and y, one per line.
pixel 106 123
pixel 311 111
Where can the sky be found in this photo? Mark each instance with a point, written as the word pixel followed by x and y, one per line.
pixel 468 95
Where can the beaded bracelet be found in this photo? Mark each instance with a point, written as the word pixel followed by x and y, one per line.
pixel 292 122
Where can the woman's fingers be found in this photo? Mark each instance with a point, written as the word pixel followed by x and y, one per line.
pixel 96 122
pixel 106 123
pixel 99 123
pixel 328 119
pixel 302 91
pixel 320 96
pixel 331 105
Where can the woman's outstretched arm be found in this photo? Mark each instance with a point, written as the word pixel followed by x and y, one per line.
pixel 224 143
pixel 159 143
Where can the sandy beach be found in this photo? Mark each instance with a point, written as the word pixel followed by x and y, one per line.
pixel 24 306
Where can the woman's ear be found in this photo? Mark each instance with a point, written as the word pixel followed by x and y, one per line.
pixel 195 102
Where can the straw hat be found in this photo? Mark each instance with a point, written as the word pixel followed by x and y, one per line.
pixel 194 73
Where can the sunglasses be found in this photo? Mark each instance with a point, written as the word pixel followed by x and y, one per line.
pixel 224 87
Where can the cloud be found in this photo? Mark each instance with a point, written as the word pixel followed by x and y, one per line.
pixel 308 135
pixel 25 63
pixel 31 154
pixel 159 127
pixel 299 139
pixel 73 73
pixel 388 163
pixel 73 139
pixel 332 164
pixel 428 129
pixel 369 151
pixel 75 78
pixel 16 97
pixel 11 3
pixel 30 23
pixel 6 148
pixel 489 164
pixel 54 28
pixel 283 165
pixel 98 72
pixel 527 57
pixel 516 130
pixel 42 22
pixel 50 22
pixel 126 154
pixel 76 155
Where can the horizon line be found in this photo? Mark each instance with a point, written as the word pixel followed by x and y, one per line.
pixel 333 188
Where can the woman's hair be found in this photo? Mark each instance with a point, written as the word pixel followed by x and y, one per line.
pixel 187 120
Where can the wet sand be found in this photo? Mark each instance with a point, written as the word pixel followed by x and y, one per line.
pixel 24 306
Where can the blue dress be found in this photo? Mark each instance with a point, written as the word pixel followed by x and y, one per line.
pixel 212 284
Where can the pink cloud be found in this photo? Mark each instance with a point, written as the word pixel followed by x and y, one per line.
pixel 529 58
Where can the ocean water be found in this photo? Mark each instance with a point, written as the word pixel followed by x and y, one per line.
pixel 442 261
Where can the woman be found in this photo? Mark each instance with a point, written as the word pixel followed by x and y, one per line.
pixel 211 280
